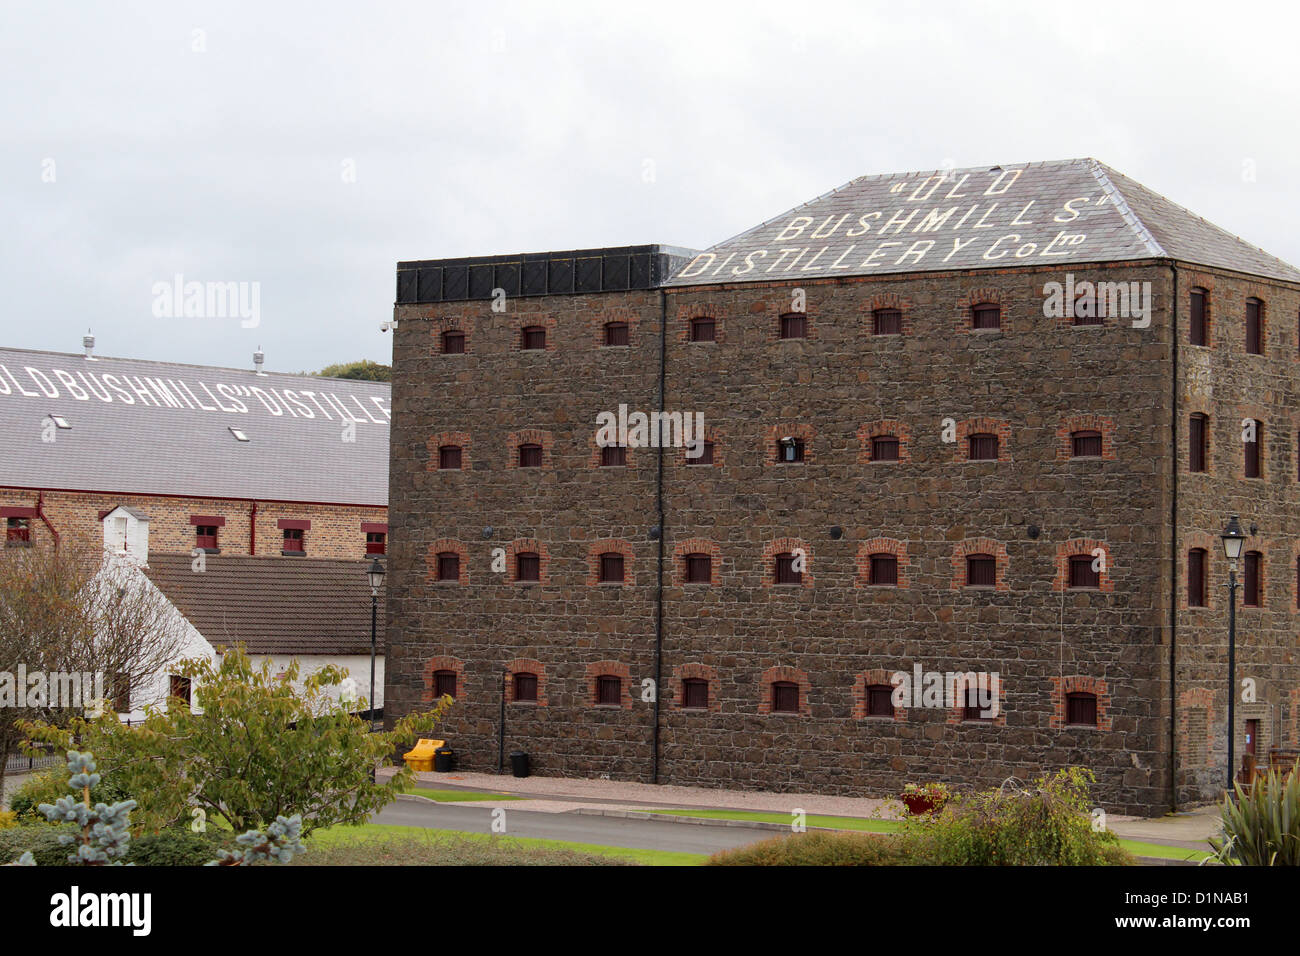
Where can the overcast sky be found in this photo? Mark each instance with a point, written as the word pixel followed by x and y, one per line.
pixel 309 147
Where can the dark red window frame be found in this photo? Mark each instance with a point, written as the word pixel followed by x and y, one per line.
pixel 785 697
pixel 887 322
pixel 528 566
pixel 1254 327
pixel 450 457
pixel 981 571
pixel 1081 709
pixel 453 342
pixel 376 542
pixel 530 456
pixel 616 334
pixel 609 690
pixel 205 536
pixel 1081 573
pixel 794 325
pixel 1254 453
pixel 695 693
pixel 986 315
pixel 293 541
pixel 1198 328
pixel 1196 567
pixel 884 570
pixel 1252 592
pixel 1085 444
pixel 705 457
pixel 18 530
pixel 885 448
pixel 525 687
pixel 613 456
pixel 611 568
pixel 982 447
pixel 532 338
pixel 444 683
pixel 448 566
pixel 1198 432
pixel 784 572
pixel 704 329
pixel 880 700
pixel 699 568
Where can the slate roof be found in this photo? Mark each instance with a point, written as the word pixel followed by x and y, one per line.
pixel 174 435
pixel 275 605
pixel 1056 213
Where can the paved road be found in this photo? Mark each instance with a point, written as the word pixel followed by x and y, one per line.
pixel 573 827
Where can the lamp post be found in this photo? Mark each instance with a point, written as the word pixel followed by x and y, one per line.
pixel 1233 539
pixel 376 575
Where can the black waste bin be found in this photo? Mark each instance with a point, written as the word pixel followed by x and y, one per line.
pixel 519 763
pixel 444 760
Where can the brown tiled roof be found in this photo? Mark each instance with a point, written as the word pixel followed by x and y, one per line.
pixel 275 605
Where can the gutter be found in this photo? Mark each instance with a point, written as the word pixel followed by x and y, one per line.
pixel 1173 550
pixel 659 519
pixel 40 513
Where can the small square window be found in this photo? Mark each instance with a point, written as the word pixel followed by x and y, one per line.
pixel 530 456
pixel 884 571
pixel 205 537
pixel 982 447
pixel 616 334
pixel 705 456
pixel 449 458
pixel 453 342
pixel 785 570
pixel 376 542
pixel 981 571
pixel 986 316
pixel 699 569
pixel 794 325
pixel 444 684
pixel 613 456
pixel 1085 444
pixel 18 532
pixel 448 566
pixel 785 697
pixel 880 700
pixel 611 568
pixel 1082 572
pixel 528 566
pixel 1081 709
pixel 887 322
pixel 884 448
pixel 609 691
pixel 525 687
pixel 695 694
pixel 533 338
pixel 703 329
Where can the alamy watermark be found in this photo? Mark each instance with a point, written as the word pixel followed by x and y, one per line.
pixel 180 299
pixel 651 430
pixel 947 689
pixel 80 690
pixel 1098 300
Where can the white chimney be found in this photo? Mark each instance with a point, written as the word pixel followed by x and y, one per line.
pixel 88 343
pixel 258 358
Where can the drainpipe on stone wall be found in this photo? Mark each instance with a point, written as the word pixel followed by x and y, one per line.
pixel 252 530
pixel 1173 557
pixel 40 513
pixel 659 519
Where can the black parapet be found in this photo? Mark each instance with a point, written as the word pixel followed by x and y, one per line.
pixel 578 271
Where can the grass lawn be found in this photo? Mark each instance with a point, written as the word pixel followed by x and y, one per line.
pixel 421 846
pixel 458 796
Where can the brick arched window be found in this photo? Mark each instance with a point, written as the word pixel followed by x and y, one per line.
pixel 794 325
pixel 703 329
pixel 887 322
pixel 982 446
pixel 981 570
pixel 449 457
pixel 1081 709
pixel 986 315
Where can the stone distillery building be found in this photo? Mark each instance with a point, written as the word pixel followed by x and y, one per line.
pixel 984 421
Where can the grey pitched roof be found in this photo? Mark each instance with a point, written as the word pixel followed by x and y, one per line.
pixel 274 605
pixel 1062 213
pixel 163 428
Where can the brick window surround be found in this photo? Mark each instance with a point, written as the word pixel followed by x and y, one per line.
pixel 439 327
pixel 611 545
pixel 693 671
pixel 530 436
pixel 460 440
pixel 881 546
pixel 1063 686
pixel 887 302
pixel 957 715
pixel 1213 548
pixel 777 308
pixel 686 314
pixel 979 546
pixel 786 546
pixel 603 317
pixel 526 665
pixel 528 546
pixel 696 546
pixel 443 546
pixel 444 663
pixel 982 426
pixel 778 674
pixel 1085 423
pixel 609 669
pixel 862 682
pixel 803 431
pixel 965 306
pixel 1196 753
pixel 533 320
pixel 886 427
pixel 1077 547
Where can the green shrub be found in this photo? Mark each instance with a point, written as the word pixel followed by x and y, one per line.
pixel 48 785
pixel 177 847
pixel 40 838
pixel 818 849
pixel 1262 828
pixel 1045 824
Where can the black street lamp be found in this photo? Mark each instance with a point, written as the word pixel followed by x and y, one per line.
pixel 376 575
pixel 1233 540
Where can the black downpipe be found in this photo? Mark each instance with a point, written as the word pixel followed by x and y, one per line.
pixel 501 726
pixel 659 520
pixel 1173 558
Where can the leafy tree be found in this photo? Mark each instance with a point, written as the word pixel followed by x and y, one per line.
pixel 365 370
pixel 260 750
